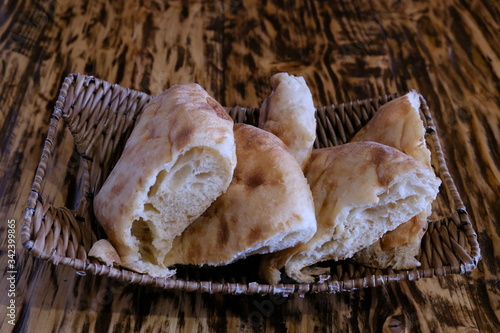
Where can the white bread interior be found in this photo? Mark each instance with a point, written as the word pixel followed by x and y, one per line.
pixel 397 248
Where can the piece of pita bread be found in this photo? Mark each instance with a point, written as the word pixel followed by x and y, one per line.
pixel 178 159
pixel 360 190
pixel 398 124
pixel 267 207
pixel 103 251
pixel 289 113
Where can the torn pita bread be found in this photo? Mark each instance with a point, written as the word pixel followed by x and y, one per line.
pixel 289 113
pixel 267 207
pixel 360 190
pixel 178 159
pixel 398 124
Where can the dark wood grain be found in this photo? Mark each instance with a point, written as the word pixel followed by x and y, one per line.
pixel 448 50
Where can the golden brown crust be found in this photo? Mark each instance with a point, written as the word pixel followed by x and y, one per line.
pixel 405 233
pixel 398 124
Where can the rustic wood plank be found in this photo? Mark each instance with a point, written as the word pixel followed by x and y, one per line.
pixel 449 51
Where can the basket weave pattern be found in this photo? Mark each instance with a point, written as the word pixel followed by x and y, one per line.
pixel 100 117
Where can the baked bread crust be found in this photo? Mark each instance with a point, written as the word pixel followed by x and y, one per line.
pixel 398 124
pixel 267 207
pixel 178 159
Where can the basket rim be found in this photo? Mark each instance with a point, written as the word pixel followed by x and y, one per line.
pixel 35 206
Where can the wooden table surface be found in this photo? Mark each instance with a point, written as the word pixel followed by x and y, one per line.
pixel 448 50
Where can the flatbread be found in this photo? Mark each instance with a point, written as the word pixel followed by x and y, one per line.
pixel 360 190
pixel 398 124
pixel 289 113
pixel 178 159
pixel 267 207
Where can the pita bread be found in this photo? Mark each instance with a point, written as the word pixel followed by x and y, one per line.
pixel 398 124
pixel 360 190
pixel 289 113
pixel 179 158
pixel 397 248
pixel 267 207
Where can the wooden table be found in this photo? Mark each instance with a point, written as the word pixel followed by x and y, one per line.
pixel 448 50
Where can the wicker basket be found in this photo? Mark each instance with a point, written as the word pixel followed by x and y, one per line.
pixel 79 153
